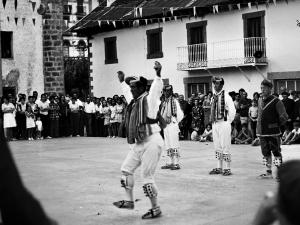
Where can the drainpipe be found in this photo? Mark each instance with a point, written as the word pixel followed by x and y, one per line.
pixel 1 87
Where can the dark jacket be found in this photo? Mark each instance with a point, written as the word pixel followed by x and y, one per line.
pixel 244 111
pixel 271 115
pixel 296 111
pixel 289 106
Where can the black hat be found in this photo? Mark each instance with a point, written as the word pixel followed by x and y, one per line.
pixel 142 80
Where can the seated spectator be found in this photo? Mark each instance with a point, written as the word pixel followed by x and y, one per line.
pixel 195 136
pixel 294 136
pixel 286 133
pixel 207 134
pixel 234 133
pixel 245 135
pixel 256 142
pixel 284 206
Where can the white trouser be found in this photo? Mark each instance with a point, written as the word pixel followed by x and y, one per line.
pixel 145 154
pixel 222 136
pixel 171 135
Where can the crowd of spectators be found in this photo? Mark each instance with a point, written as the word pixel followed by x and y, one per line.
pixel 197 116
pixel 53 116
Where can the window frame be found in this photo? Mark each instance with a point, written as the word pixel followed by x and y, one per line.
pixel 106 40
pixel 247 16
pixel 159 54
pixel 190 26
pixel 11 44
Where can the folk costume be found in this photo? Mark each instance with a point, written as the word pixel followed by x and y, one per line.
pixel 145 141
pixel 172 114
pixel 271 115
pixel 222 114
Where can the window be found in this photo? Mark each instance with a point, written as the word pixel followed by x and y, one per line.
pixel 154 40
pixel 81 47
pixel 6 44
pixel 196 88
pixel 196 32
pixel 293 85
pixel 66 48
pixel 110 50
pixel 254 24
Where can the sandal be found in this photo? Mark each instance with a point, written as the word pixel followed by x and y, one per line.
pixel 216 171
pixel 176 167
pixel 124 204
pixel 167 166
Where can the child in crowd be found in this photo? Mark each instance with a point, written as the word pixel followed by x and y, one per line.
pixel 39 128
pixel 207 134
pixel 234 132
pixel 245 135
pixel 294 136
pixel 30 122
pixel 106 112
pixel 194 135
pixel 253 112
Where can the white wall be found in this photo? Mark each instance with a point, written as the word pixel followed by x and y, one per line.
pixel 282 50
pixel 25 70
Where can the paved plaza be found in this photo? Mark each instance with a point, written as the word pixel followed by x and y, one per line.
pixel 77 179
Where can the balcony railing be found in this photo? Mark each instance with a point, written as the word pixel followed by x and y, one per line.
pixel 221 54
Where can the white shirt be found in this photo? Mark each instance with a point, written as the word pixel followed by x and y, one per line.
pixel 77 101
pixel 98 108
pixel 89 107
pixel 39 125
pixel 43 105
pixel 74 107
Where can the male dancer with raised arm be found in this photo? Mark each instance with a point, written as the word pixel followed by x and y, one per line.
pixel 144 139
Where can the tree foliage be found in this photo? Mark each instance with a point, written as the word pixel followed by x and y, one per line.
pixel 77 74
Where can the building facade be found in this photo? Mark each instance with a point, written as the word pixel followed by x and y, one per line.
pixel 243 46
pixel 73 11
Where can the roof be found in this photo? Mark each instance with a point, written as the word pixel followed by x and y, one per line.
pixel 123 10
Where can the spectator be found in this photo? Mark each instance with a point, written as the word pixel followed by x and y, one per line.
pixel 245 104
pixel 294 136
pixel 89 109
pixel 39 128
pixel 74 117
pixel 183 123
pixel 207 134
pixel 21 118
pixel 63 118
pixel 44 114
pixel 119 115
pixel 296 112
pixel 9 121
pixel 234 133
pixel 286 133
pixel 289 106
pixel 237 118
pixel 206 108
pixel 253 113
pixel 256 96
pixel 245 136
pixel 106 112
pixel 54 118
pixel 198 118
pixel 30 122
pixel 98 110
pixel 282 89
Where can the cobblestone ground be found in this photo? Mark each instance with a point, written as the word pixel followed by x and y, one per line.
pixel 77 179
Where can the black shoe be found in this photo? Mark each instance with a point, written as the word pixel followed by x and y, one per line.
pixel 152 213
pixel 124 204
pixel 216 171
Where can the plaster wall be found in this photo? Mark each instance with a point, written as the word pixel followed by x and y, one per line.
pixel 282 42
pixel 25 70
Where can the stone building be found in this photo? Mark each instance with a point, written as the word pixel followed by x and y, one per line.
pixel 31 46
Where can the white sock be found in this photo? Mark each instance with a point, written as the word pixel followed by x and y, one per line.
pixel 220 164
pixel 227 165
pixel 171 160
pixel 176 160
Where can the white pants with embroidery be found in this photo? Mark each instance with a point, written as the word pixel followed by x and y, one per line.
pixel 171 135
pixel 145 154
pixel 222 136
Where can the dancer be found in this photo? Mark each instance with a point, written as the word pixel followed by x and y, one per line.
pixel 271 116
pixel 172 114
pixel 143 137
pixel 222 114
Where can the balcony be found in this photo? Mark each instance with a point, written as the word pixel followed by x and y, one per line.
pixel 233 53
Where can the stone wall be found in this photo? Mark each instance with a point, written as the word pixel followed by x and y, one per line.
pixel 52 47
